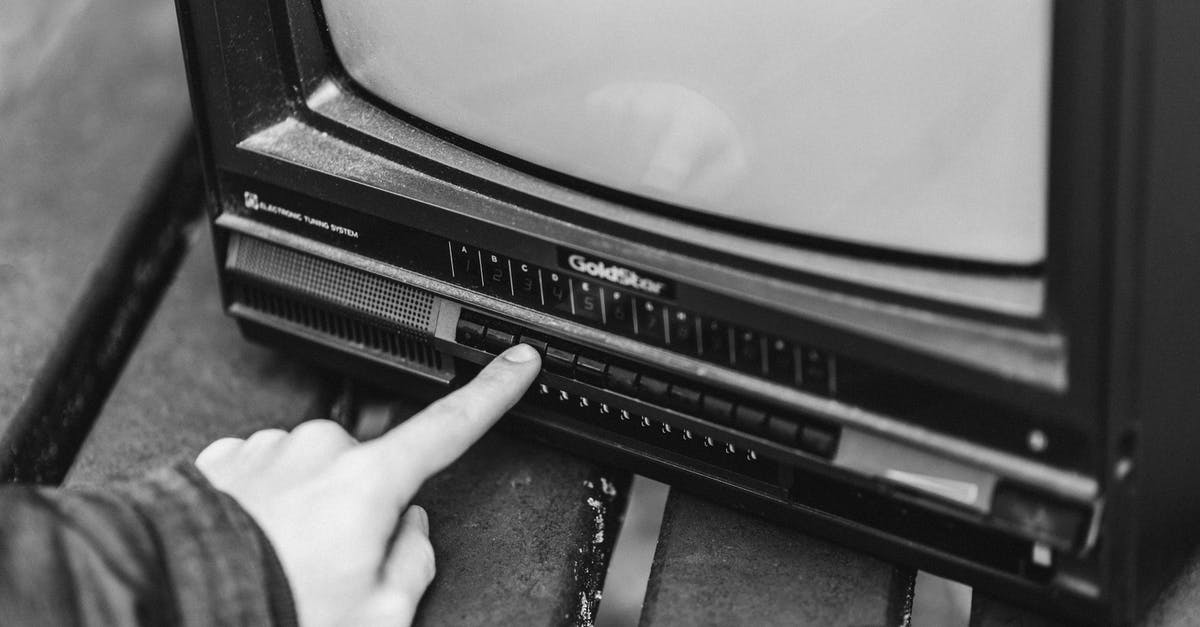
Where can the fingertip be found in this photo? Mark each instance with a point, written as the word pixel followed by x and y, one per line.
pixel 520 354
pixel 421 517
pixel 216 451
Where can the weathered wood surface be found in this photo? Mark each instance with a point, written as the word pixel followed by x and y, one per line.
pixel 92 100
pixel 523 535
pixel 191 380
pixel 522 532
pixel 717 566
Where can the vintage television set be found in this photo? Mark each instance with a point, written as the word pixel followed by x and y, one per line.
pixel 918 276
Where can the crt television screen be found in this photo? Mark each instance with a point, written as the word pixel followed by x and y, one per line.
pixel 914 125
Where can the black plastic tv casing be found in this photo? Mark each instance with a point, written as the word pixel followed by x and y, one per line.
pixel 1077 375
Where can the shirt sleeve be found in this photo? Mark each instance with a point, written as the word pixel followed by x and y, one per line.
pixel 167 550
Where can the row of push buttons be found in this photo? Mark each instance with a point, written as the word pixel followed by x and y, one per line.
pixel 644 319
pixel 731 457
pixel 809 436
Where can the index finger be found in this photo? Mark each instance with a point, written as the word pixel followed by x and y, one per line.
pixel 440 433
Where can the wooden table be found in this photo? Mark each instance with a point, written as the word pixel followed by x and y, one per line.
pixel 115 358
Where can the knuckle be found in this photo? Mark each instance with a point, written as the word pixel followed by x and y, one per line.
pixel 321 430
pixel 217 451
pixel 265 436
pixel 223 445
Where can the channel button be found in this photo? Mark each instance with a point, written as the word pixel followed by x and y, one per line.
pixel 747 351
pixel 469 333
pixel 588 298
pixel 496 279
pixel 465 260
pixel 497 341
pixel 590 370
pixel 557 290
pixel 682 331
pixel 559 361
pixel 527 285
pixel 715 341
pixel 618 307
pixel 781 361
pixel 649 320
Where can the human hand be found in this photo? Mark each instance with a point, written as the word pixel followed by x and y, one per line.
pixel 329 505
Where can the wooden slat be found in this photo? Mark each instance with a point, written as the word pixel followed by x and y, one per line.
pixel 192 380
pixel 92 99
pixel 523 535
pixel 717 566
pixel 522 532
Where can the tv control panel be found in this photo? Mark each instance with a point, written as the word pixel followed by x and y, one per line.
pixel 635 304
pixel 643 318
pixel 650 386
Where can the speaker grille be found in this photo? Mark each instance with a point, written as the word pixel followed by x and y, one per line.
pixel 339 285
pixel 312 296
pixel 360 334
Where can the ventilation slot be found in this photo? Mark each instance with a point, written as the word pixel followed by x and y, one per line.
pixel 343 287
pixel 363 336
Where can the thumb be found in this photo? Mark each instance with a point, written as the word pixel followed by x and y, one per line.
pixel 403 579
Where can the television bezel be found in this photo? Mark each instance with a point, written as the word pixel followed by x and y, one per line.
pixel 1079 140
pixel 282 56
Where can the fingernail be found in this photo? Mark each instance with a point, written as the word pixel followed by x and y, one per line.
pixel 519 354
pixel 422 518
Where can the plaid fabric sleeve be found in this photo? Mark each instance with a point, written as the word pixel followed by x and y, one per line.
pixel 167 550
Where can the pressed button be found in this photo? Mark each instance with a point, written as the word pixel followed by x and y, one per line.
pixel 527 285
pixel 717 409
pixel 715 341
pixel 469 333
pixel 590 370
pixel 652 389
pixel 559 361
pixel 587 297
pixel 782 430
pixel 496 341
pixel 749 419
pixel 818 440
pixel 538 344
pixel 622 380
pixel 684 399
